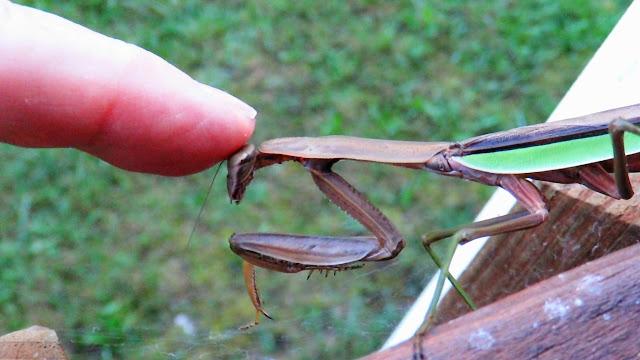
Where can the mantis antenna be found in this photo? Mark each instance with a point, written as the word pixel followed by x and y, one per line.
pixel 195 224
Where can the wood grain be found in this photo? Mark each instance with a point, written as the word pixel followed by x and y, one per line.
pixel 591 312
pixel 35 342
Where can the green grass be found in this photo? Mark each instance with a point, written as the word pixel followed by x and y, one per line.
pixel 101 255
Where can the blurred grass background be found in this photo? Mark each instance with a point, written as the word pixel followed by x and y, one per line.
pixel 101 255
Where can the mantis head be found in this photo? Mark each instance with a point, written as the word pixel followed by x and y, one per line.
pixel 240 167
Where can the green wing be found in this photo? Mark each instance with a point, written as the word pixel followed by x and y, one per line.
pixel 547 157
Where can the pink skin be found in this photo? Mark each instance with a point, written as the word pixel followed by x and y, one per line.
pixel 63 85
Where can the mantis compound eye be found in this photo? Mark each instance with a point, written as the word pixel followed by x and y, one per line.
pixel 240 168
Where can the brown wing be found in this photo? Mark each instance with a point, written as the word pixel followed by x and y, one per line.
pixel 582 126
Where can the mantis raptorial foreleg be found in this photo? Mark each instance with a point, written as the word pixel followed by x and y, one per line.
pixel 354 203
pixel 293 253
pixel 249 275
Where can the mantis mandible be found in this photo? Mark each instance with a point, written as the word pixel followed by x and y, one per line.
pixel 597 151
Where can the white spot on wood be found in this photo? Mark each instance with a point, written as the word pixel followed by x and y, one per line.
pixel 578 302
pixel 481 339
pixel 606 317
pixel 556 309
pixel 591 284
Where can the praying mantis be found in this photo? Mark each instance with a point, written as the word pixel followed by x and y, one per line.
pixel 597 150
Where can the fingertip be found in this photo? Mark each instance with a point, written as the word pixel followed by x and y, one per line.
pixel 172 125
pixel 111 99
pixel 242 109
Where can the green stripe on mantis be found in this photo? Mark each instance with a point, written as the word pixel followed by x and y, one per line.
pixel 546 157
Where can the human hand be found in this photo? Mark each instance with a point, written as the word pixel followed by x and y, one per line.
pixel 63 85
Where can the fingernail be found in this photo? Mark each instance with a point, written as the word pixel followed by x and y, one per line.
pixel 237 105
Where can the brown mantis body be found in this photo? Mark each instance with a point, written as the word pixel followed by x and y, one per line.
pixel 466 159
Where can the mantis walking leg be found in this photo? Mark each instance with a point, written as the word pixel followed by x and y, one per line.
pixel 532 199
pixel 617 128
